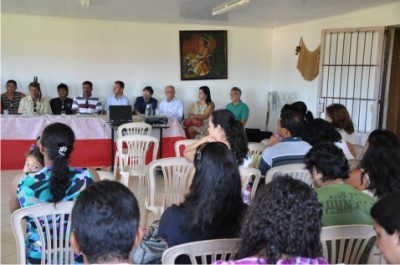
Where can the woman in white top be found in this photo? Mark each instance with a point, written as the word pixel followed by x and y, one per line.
pixel 338 115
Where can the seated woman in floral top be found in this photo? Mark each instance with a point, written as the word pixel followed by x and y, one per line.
pixel 282 226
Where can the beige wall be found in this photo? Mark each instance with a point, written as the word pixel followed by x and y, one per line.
pixel 259 60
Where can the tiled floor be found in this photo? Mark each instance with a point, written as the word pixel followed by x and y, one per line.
pixel 8 245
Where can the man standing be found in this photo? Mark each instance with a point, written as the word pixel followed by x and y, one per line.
pixel 86 103
pixel 118 98
pixel 147 98
pixel 63 102
pixel 286 147
pixel 342 204
pixel 171 106
pixel 237 107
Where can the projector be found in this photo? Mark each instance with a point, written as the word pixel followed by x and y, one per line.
pixel 156 120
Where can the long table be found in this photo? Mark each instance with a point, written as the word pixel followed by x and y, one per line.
pixel 93 138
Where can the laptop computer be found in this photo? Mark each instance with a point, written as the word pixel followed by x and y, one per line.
pixel 120 114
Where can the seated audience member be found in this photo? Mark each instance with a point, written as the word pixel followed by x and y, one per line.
pixel 281 226
pixel 118 98
pixel 379 170
pixel 338 115
pixel 320 130
pixel 171 106
pixel 147 98
pixel 201 110
pixel 105 219
pixel 223 127
pixel 11 98
pixel 302 107
pixel 87 103
pixel 386 217
pixel 239 109
pixel 213 207
pixel 63 102
pixel 34 104
pixel 56 182
pixel 34 160
pixel 342 204
pixel 288 147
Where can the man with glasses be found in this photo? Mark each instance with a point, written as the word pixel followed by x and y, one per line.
pixel 146 98
pixel 87 103
pixel 171 106
pixel 118 98
pixel 238 107
pixel 34 104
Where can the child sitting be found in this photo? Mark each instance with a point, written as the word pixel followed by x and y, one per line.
pixel 34 161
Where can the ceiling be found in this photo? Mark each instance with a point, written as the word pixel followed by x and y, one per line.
pixel 258 13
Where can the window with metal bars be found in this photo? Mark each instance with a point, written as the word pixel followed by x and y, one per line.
pixel 350 73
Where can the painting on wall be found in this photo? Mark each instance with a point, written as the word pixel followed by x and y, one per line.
pixel 203 54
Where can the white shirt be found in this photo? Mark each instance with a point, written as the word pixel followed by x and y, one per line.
pixel 173 108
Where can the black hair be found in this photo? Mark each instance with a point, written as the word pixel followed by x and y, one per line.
pixel 11 81
pixel 214 196
pixel 206 91
pixel 320 130
pixel 58 142
pixel 120 83
pixel 386 212
pixel 87 83
pixel 148 88
pixel 62 86
pixel 35 152
pixel 292 120
pixel 37 86
pixel 234 132
pixel 284 218
pixel 340 117
pixel 381 162
pixel 329 160
pixel 105 219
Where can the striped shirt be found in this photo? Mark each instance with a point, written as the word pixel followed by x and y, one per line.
pixel 84 105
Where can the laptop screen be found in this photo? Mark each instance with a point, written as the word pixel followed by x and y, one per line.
pixel 120 114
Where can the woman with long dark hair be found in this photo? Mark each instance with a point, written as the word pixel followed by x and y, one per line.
pixel 379 170
pixel 213 207
pixel 56 182
pixel 197 123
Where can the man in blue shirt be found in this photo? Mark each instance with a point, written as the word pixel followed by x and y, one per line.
pixel 147 98
pixel 237 107
pixel 118 98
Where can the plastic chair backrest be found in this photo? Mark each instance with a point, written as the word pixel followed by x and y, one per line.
pixel 359 150
pixel 348 244
pixel 255 152
pixel 175 171
pixel 246 173
pixel 353 163
pixel 134 128
pixel 51 235
pixel 182 143
pixel 203 252
pixel 134 161
pixel 296 171
pixel 105 175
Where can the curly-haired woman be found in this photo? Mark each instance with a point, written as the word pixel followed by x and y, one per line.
pixel 379 170
pixel 282 226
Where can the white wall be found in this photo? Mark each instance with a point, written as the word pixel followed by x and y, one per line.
pixel 286 79
pixel 74 50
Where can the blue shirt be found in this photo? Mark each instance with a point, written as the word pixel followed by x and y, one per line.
pixel 140 104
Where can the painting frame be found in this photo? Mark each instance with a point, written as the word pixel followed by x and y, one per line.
pixel 203 54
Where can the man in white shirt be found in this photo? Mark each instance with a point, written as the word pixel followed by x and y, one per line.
pixel 171 106
pixel 87 103
pixel 118 98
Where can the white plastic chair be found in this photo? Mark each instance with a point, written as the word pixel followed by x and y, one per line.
pixel 133 163
pixel 353 163
pixel 359 151
pixel 296 171
pixel 348 244
pixel 203 252
pixel 246 173
pixel 184 143
pixel 255 152
pixel 43 215
pixel 132 128
pixel 175 171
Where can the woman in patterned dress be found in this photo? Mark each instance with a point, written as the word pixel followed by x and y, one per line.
pixel 56 182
